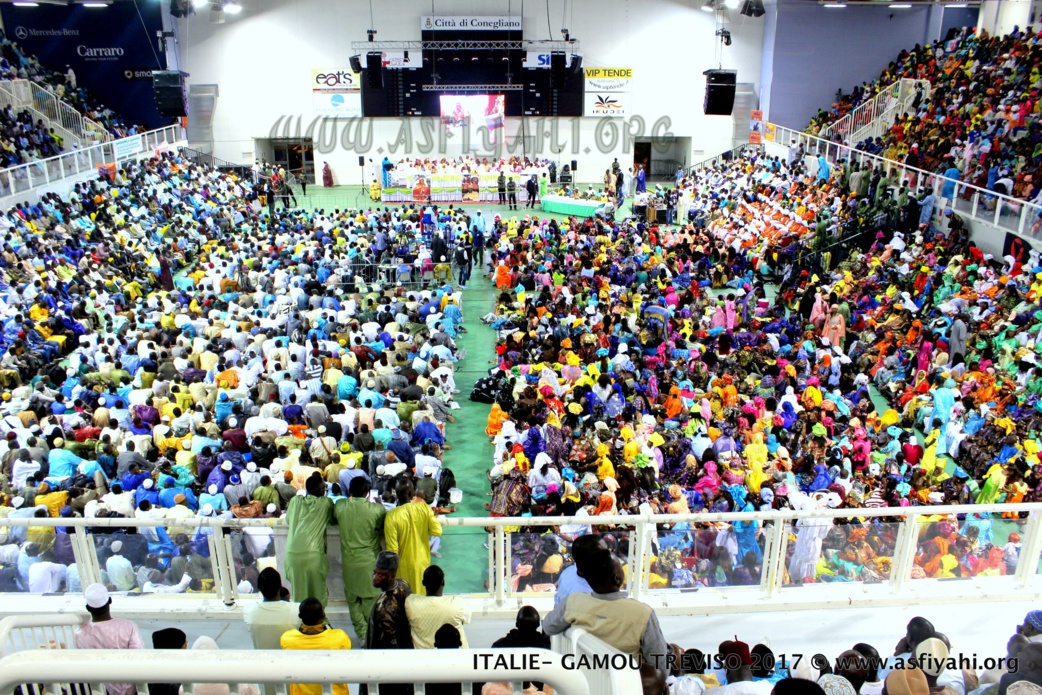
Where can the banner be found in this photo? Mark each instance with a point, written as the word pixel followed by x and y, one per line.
pixel 608 79
pixel 770 132
pixel 127 147
pixel 347 104
pixel 339 81
pixel 605 105
pixel 470 23
pixel 538 61
pixel 756 127
pixel 112 50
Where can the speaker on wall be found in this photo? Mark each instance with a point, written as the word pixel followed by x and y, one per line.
pixel 356 63
pixel 168 87
pixel 374 70
pixel 720 88
pixel 557 66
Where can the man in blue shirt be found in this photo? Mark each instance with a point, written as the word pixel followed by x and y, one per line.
pixel 570 582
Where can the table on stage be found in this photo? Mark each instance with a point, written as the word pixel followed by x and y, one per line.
pixel 563 205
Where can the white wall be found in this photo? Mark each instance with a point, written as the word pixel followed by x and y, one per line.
pixel 1000 16
pixel 262 61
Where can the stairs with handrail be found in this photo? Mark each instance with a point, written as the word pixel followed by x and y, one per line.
pixel 73 127
pixel 875 116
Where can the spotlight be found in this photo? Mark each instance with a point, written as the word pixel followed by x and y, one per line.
pixel 232 7
pixel 753 8
pixel 567 36
pixel 406 56
pixel 371 33
pixel 725 36
pixel 709 6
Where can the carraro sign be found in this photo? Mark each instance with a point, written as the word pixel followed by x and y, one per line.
pixel 469 23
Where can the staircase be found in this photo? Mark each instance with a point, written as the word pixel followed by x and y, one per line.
pixel 875 116
pixel 72 126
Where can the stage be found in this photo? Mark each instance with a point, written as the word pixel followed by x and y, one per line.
pixel 563 205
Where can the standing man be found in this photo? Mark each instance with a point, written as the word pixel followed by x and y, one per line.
pixel 642 180
pixel 512 193
pixel 408 533
pixel 306 561
pixel 680 176
pixel 105 632
pixel 501 184
pixel 544 186
pixel 628 180
pixel 271 617
pixel 463 260
pixel 388 623
pixel 532 188
pixel 361 525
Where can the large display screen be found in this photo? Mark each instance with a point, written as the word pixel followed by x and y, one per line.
pixel 472 110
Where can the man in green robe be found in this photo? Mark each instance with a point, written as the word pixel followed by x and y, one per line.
pixel 361 528
pixel 306 561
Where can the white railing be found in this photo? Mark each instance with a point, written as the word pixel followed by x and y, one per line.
pixel 893 100
pixel 69 668
pixel 9 97
pixel 24 178
pixel 1003 211
pixel 58 112
pixel 19 633
pixel 589 654
pixel 645 536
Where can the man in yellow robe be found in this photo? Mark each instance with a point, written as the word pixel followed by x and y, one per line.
pixel 408 529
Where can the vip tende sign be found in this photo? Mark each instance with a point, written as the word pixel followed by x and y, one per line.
pixel 111 50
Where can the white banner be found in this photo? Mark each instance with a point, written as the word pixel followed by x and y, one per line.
pixel 606 104
pixel 608 79
pixel 336 104
pixel 397 60
pixel 127 147
pixel 336 80
pixel 535 60
pixel 470 23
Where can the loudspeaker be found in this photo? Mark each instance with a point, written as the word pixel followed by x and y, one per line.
pixel 374 70
pixel 356 64
pixel 557 65
pixel 361 161
pixel 720 87
pixel 168 86
pixel 575 166
pixel 577 65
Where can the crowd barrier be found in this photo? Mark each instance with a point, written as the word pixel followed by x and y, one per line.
pixel 24 178
pixel 67 671
pixel 229 552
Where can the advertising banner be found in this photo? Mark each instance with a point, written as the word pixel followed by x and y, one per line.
pixel 605 105
pixel 470 23
pixel 346 105
pixel 608 79
pixel 112 50
pixel 340 80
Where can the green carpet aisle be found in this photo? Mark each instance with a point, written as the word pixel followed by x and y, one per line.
pixel 464 556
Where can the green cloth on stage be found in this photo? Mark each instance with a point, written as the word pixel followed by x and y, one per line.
pixel 569 206
pixel 306 561
pixel 361 528
pixel 407 531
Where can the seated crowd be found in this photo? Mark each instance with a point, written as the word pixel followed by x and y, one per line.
pixel 275 357
pixel 22 140
pixel 649 369
pixel 980 122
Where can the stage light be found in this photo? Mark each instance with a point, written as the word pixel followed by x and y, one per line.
pixel 406 56
pixel 732 4
pixel 753 8
pixel 835 5
pixel 709 6
pixel 900 6
pixel 36 4
pixel 232 7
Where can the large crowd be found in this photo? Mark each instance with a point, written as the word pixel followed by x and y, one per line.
pixel 979 123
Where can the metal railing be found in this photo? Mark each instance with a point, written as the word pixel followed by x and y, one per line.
pixel 63 671
pixel 19 633
pixel 894 99
pixel 897 533
pixel 727 156
pixel 23 178
pixel 57 111
pixel 1003 211
pixel 17 104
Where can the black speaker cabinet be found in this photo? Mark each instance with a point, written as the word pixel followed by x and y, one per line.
pixel 720 87
pixel 558 62
pixel 168 86
pixel 374 70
